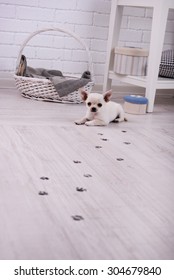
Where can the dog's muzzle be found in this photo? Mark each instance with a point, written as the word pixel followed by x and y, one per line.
pixel 93 109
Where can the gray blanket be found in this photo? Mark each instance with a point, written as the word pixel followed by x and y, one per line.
pixel 63 85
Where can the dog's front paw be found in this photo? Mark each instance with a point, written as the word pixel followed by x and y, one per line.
pixel 89 123
pixel 81 121
pixel 95 123
pixel 78 122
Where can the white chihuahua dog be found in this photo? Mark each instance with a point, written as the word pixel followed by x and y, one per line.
pixel 100 110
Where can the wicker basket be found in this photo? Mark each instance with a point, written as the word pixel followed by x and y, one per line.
pixel 43 89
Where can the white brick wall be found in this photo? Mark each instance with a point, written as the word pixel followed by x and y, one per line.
pixel 89 19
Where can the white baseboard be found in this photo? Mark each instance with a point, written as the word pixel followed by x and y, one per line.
pixel 6 80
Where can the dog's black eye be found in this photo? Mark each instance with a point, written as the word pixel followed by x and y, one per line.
pixel 99 105
pixel 89 104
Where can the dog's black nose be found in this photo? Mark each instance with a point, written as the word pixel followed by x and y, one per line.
pixel 93 109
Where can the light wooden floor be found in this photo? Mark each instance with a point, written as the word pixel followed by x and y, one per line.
pixel 127 206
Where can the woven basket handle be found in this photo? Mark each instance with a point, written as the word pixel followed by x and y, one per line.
pixel 90 65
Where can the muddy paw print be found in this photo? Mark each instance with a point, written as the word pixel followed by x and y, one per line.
pixel 43 193
pixel 87 175
pixel 81 189
pixel 44 178
pixel 77 218
pixel 76 161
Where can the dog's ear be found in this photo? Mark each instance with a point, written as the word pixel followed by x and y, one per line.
pixel 107 95
pixel 84 95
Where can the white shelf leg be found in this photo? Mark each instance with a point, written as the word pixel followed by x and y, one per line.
pixel 159 21
pixel 113 37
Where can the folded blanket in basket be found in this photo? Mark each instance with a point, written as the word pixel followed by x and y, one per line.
pixel 63 85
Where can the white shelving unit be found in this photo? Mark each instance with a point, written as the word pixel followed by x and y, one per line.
pixel 151 82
